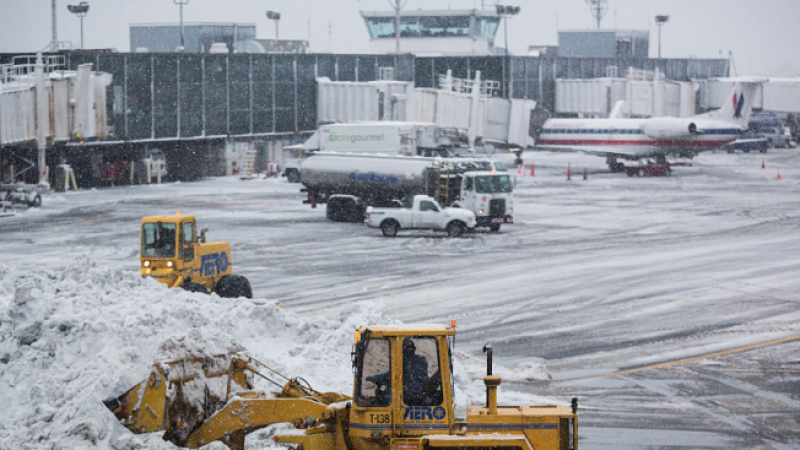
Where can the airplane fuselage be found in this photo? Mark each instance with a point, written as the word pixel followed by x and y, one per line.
pixel 637 138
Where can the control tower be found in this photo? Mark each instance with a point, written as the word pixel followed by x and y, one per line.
pixel 449 32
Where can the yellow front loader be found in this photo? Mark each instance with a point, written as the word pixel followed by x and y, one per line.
pixel 402 400
pixel 173 253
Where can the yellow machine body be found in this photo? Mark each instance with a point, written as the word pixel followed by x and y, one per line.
pixel 396 405
pixel 172 252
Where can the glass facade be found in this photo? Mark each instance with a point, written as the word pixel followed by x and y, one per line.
pixel 169 95
pixel 486 26
pixel 173 96
pixel 433 26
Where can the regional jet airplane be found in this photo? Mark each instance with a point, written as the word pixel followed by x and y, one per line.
pixel 657 137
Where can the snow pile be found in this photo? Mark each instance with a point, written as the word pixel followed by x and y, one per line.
pixel 73 337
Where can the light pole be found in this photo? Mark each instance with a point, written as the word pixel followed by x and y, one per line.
pixel 505 12
pixel 79 10
pixel 54 42
pixel 660 21
pixel 276 16
pixel 180 3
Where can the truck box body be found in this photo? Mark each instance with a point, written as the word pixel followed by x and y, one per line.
pixel 378 138
pixel 388 138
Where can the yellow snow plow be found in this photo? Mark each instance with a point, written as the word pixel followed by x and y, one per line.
pixel 173 253
pixel 403 400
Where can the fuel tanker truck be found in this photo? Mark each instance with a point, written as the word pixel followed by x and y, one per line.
pixel 349 183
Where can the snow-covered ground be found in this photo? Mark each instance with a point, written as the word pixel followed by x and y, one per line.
pixel 597 277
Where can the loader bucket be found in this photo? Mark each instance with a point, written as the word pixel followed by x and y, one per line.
pixel 178 396
pixel 142 408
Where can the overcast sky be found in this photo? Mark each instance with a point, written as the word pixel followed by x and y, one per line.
pixel 761 34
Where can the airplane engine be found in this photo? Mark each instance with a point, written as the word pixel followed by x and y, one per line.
pixel 668 127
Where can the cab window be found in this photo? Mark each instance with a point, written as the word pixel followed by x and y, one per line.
pixel 188 233
pixel 493 184
pixel 422 379
pixel 427 206
pixel 188 240
pixel 158 239
pixel 468 183
pixel 374 377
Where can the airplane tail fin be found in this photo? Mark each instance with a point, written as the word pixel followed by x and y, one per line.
pixel 738 104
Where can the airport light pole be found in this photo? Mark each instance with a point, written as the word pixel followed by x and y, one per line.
pixel 505 12
pixel 79 10
pixel 397 7
pixel 180 3
pixel 276 16
pixel 660 21
pixel 54 42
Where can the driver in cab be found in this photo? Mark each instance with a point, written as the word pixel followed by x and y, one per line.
pixel 415 375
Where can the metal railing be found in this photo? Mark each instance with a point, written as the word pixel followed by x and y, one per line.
pixel 25 65
pixel 489 88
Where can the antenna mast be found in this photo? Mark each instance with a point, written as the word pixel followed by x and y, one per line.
pixel 599 8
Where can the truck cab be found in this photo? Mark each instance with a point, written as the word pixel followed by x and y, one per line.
pixel 490 195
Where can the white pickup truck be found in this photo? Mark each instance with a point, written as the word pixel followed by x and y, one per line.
pixel 426 213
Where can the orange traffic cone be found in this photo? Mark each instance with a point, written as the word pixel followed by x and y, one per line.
pixel 532 169
pixel 523 170
pixel 762 163
pixel 519 169
pixel 779 174
pixel 569 171
pixel 585 174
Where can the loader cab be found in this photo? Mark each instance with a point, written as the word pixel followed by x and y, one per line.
pixel 403 381
pixel 167 246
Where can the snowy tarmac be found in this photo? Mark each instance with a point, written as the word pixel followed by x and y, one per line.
pixel 646 298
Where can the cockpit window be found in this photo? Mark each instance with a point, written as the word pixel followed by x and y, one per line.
pixel 158 239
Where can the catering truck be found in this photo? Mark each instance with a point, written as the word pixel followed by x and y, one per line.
pixel 349 183
pixel 384 138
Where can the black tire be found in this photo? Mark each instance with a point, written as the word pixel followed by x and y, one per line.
pixel 389 228
pixel 630 173
pixel 763 149
pixel 194 287
pixel 455 229
pixel 746 150
pixel 332 211
pixel 36 201
pixel 667 171
pixel 494 228
pixel 233 286
pixel 293 176
pixel 616 167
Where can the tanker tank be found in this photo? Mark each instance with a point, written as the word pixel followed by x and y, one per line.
pixel 386 177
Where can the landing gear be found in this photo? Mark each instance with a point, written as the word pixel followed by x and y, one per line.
pixel 614 166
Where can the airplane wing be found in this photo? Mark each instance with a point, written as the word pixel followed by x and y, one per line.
pixel 601 150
